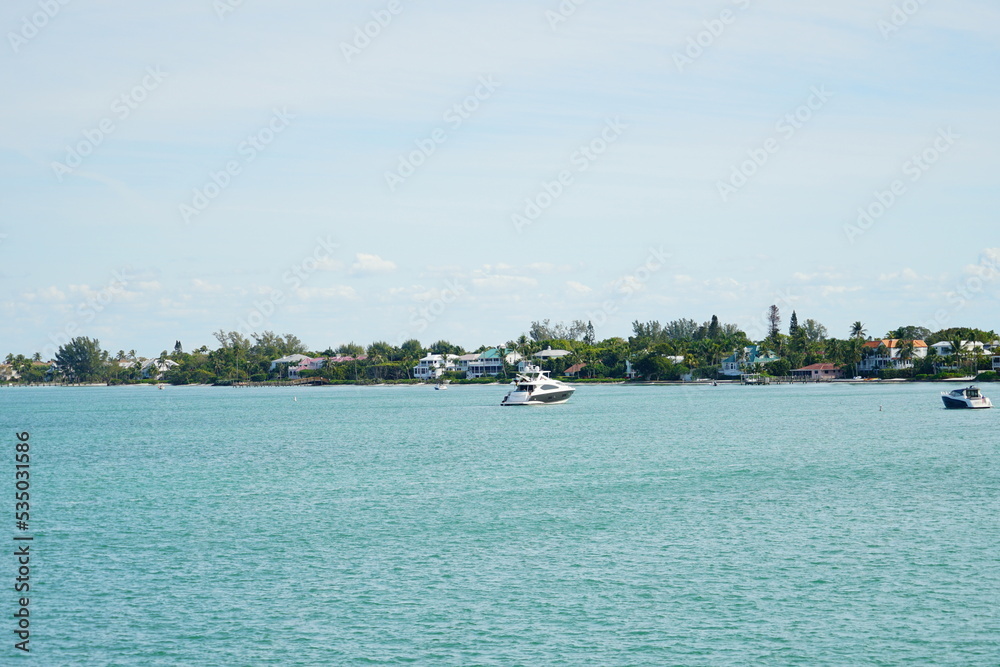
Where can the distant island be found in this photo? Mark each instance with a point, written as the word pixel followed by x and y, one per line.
pixel 679 350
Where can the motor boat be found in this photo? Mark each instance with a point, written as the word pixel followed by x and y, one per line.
pixel 533 386
pixel 441 386
pixel 969 397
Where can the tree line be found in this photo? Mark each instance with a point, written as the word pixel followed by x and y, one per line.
pixel 655 351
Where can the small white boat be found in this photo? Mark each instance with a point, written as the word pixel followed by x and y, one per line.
pixel 441 386
pixel 533 386
pixel 970 397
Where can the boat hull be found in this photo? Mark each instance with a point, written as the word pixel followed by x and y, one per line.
pixel 953 403
pixel 553 398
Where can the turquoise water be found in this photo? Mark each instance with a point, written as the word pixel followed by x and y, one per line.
pixel 785 525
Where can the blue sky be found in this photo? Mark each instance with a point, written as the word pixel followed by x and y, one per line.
pixel 685 159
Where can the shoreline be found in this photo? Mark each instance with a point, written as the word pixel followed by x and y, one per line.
pixel 609 383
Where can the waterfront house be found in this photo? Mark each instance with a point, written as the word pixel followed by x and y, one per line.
pixel 888 353
pixel 153 369
pixel 944 348
pixel 306 364
pixel 490 363
pixel 574 370
pixel 735 364
pixel 463 361
pixel 819 372
pixel 433 366
pixel 549 353
pixel 290 360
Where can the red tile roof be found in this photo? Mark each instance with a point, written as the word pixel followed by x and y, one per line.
pixel 819 367
pixel 893 342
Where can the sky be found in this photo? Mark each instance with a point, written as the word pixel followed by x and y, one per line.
pixel 386 170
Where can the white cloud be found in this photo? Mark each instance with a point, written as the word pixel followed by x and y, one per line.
pixel 50 294
pixel 326 293
pixel 905 274
pixel 579 288
pixel 366 263
pixel 504 282
pixel 205 286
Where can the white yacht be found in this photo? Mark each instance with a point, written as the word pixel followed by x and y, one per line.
pixel 533 386
pixel 442 385
pixel 970 397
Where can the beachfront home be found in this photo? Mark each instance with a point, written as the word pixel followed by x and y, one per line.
pixel 290 360
pixel 7 373
pixel 433 366
pixel 574 370
pixel 463 361
pixel 735 364
pixel 153 369
pixel 819 372
pixel 490 363
pixel 944 348
pixel 549 353
pixel 306 364
pixel 888 353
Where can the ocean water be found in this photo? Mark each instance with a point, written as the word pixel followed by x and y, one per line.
pixel 784 525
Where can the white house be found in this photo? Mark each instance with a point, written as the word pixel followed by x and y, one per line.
pixel 462 363
pixel 944 348
pixel 489 363
pixel 306 364
pixel 291 360
pixel 887 353
pixel 154 369
pixel 735 364
pixel 433 366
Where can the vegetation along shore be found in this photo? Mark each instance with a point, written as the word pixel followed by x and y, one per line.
pixel 676 351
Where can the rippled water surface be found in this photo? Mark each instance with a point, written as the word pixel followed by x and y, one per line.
pixel 632 526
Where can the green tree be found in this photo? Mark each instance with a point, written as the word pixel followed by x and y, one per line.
pixel 858 330
pixel 815 332
pixel 82 360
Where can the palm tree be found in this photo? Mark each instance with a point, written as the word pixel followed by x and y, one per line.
pixel 858 330
pixel 957 351
pixel 906 352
